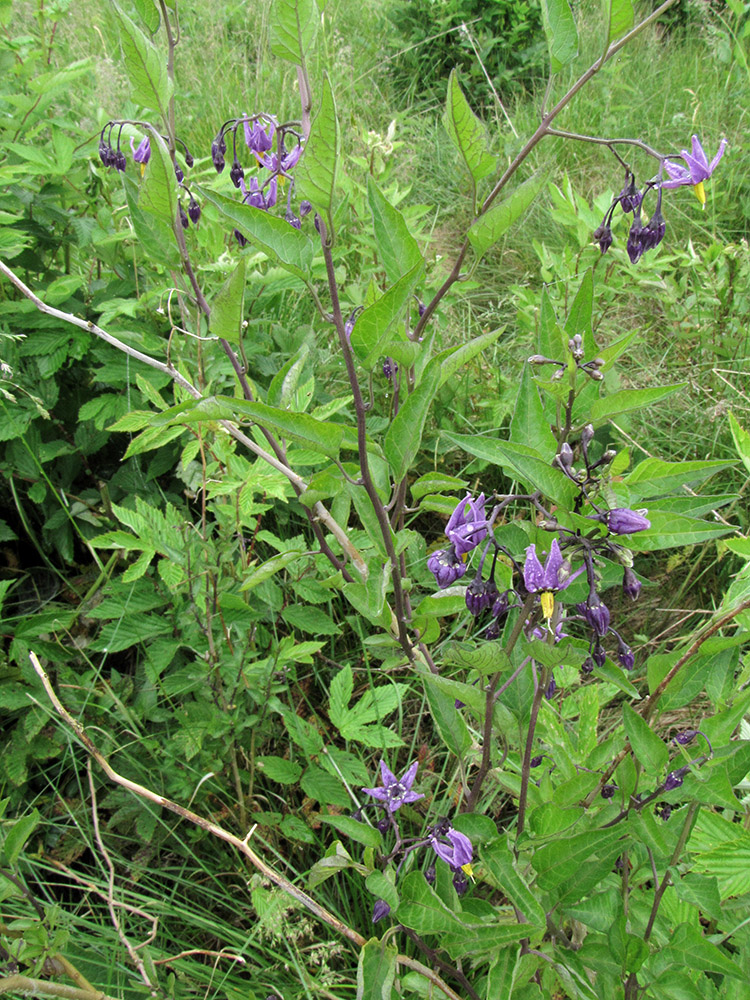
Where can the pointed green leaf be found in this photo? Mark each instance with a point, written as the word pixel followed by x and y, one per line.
pixel 560 30
pixel 649 750
pixel 626 400
pixel 501 974
pixel 17 836
pixel 741 440
pixel 652 477
pixel 292 28
pixel 145 65
pixel 467 132
pixel 580 317
pixel 454 358
pixel 620 17
pixel 315 175
pixel 399 251
pixel 499 863
pixel 228 304
pixel 376 971
pixel 372 330
pixel 529 424
pixel 447 719
pixel 148 11
pixel 669 531
pixel 404 436
pixel 422 909
pixel 498 219
pixel 357 831
pixel 288 247
pixel 689 949
pixel 270 567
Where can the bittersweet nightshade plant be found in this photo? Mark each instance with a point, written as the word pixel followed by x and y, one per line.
pixel 467 525
pixel 446 567
pixel 453 847
pixel 395 792
pixel 546 580
pixel 697 171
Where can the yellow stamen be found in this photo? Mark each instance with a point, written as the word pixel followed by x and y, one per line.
pixel 547 599
pixel 143 169
pixel 468 870
pixel 700 193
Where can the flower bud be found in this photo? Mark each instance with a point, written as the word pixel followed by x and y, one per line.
pixel 178 173
pixel 565 457
pixel 184 221
pixel 380 910
pixel 631 585
pixel 194 210
pixel 575 346
pixel 305 207
pixel 608 791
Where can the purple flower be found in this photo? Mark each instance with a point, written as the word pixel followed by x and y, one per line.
pixel 546 580
pixel 630 197
pixel 480 594
pixel 450 845
pixel 218 149
pixel 143 153
pixel 603 236
pixel 253 195
pixel 697 171
pixel 395 791
pixel 626 656
pixel 259 139
pixel 467 525
pixel 549 694
pixel 380 909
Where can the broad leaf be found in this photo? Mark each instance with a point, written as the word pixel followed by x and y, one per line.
pixel 454 358
pixel 649 750
pixel 404 436
pixel 399 251
pixel 422 909
pixel 316 174
pixel 652 477
pixel 529 424
pixel 292 27
pixel 376 971
pixel 467 132
pixel 372 329
pixel 228 306
pixel 145 65
pixel 286 246
pixel 498 219
pixel 625 400
pixel 498 861
pixel 620 18
pixel 560 30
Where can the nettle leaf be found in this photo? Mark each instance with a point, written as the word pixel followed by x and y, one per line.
pixel 355 723
pixel 398 249
pixel 316 174
pixel 467 132
pixel 286 246
pixel 145 66
pixel 376 971
pixel 560 30
pixel 620 17
pixel 688 948
pixel 498 219
pixel 292 27
pixel 648 748
pixel 286 772
pixel 227 307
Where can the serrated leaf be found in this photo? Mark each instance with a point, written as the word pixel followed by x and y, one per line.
pixel 560 30
pixel 292 28
pixel 227 306
pixel 315 175
pixel 286 772
pixel 399 251
pixel 467 132
pixel 498 219
pixel 145 65
pixel 286 246
pixel 689 949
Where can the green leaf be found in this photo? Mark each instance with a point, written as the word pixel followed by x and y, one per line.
pixel 324 788
pixel 520 462
pixel 342 687
pixel 652 477
pixel 270 567
pixel 399 251
pixel 376 971
pixel 574 861
pixel 650 751
pixel 371 331
pixel 688 948
pixel 311 620
pixel 382 887
pixel 154 233
pixel 148 11
pixel 498 861
pixel 629 399
pixel 529 424
pixel 283 244
pixel 286 772
pixel 467 132
pixel 701 891
pixel 315 175
pixel 447 719
pixel 741 440
pixel 145 65
pixel 292 28
pixel 361 832
pixel 580 317
pixel 17 836
pixel 454 358
pixel 501 974
pixel 671 530
pixel 560 30
pixel 227 307
pixel 404 436
pixel 498 219
pixel 433 482
pixel 422 909
pixel 620 18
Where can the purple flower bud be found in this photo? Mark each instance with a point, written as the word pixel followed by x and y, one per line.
pixel 596 614
pixel 663 811
pixel 390 368
pixel 178 173
pixel 623 521
pixel 631 585
pixel 120 163
pixel 549 694
pixel 218 148
pixel 565 457
pixel 492 631
pixel 240 238
pixel 603 236
pixel 587 667
pixel 185 222
pixel 430 874
pixel 357 814
pixel 188 158
pixel 501 605
pixel 446 567
pixel 236 173
pixel 380 910
pixel 384 824
pixel 536 761
pixel 608 791
pixel 480 594
pixel 635 243
pixel 630 197
pixel 675 778
pixel 194 210
pixel 421 309
pixel 293 220
pixel 687 737
pixel 626 656
pixel 460 882
pixel 305 207
pixel 598 655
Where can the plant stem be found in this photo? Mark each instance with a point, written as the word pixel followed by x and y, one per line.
pixel 526 767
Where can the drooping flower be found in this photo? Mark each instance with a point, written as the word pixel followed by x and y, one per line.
pixel 259 138
pixel 446 567
pixel 480 594
pixel 467 525
pixel 622 520
pixel 453 847
pixel 548 579
pixel 697 171
pixel 630 197
pixel 395 791
pixel 141 154
pixel 631 585
pixel 596 614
